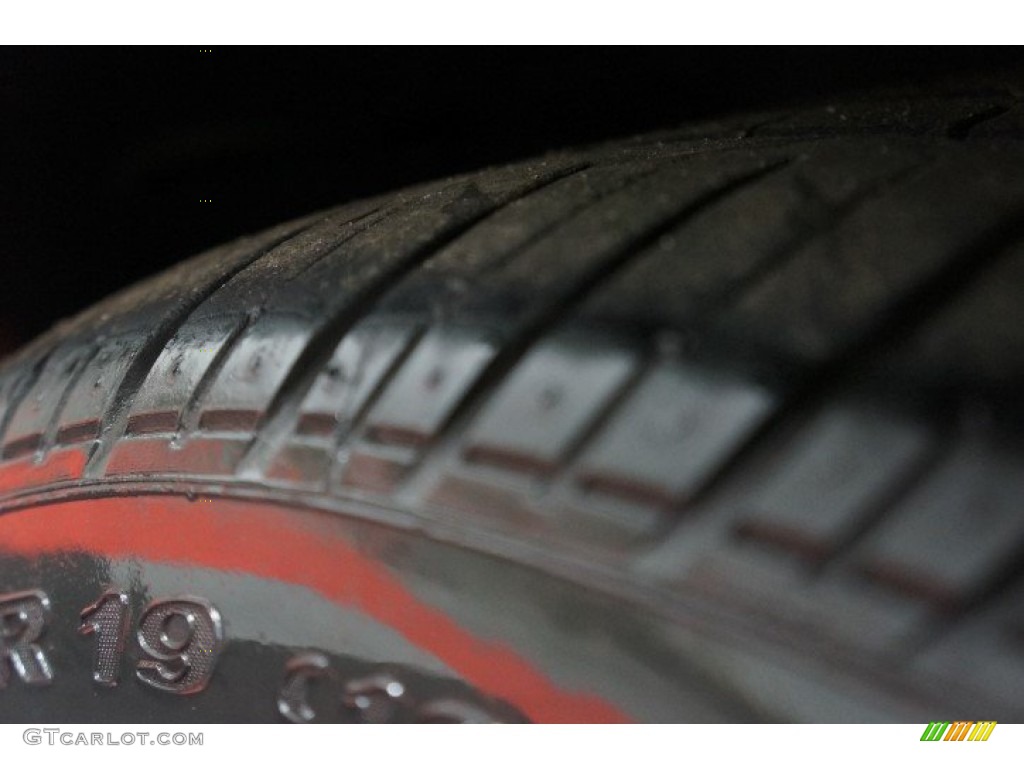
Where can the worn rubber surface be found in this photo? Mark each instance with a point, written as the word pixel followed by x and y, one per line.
pixel 723 423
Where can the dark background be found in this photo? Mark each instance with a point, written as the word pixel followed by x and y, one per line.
pixel 106 153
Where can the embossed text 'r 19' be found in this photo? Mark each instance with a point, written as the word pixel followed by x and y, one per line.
pixel 108 619
pixel 182 639
pixel 22 620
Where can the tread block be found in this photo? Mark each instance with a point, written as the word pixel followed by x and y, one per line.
pixel 956 532
pixel 252 373
pixel 429 385
pixel 361 362
pixel 830 477
pixel 358 366
pixel 91 392
pixel 38 407
pixel 547 402
pixel 178 371
pixel 674 430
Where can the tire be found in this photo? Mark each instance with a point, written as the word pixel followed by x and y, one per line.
pixel 717 425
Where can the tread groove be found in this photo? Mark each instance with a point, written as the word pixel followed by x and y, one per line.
pixel 114 421
pixel 826 222
pixel 188 419
pixel 385 213
pixel 21 388
pixel 509 354
pixel 910 312
pixel 497 264
pixel 343 432
pixel 276 420
pixel 603 415
pixel 961 129
pixel 50 436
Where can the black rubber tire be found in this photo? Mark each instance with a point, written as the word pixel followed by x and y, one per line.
pixel 760 378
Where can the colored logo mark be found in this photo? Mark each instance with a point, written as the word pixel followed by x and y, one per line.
pixel 959 731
